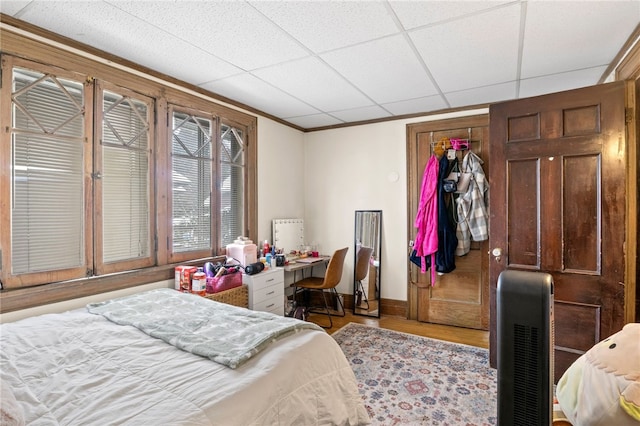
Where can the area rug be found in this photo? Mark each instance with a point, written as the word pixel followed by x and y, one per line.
pixel 410 380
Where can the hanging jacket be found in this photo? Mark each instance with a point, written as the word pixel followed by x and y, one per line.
pixel 447 240
pixel 426 243
pixel 473 219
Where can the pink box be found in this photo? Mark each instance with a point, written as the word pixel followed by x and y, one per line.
pixel 246 254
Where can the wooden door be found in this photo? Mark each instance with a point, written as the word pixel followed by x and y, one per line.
pixel 461 297
pixel 557 205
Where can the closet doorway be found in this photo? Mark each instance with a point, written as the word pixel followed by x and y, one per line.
pixel 461 297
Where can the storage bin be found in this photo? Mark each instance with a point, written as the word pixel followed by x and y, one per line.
pixel 238 296
pixel 224 282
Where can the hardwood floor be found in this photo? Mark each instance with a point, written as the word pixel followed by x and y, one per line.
pixel 467 336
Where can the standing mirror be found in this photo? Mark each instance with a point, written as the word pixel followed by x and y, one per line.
pixel 366 277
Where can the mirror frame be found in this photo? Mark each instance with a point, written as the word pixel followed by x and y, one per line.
pixel 377 255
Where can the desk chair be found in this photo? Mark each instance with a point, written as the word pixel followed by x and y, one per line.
pixel 362 268
pixel 331 279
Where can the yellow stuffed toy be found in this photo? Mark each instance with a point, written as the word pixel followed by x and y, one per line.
pixel 602 387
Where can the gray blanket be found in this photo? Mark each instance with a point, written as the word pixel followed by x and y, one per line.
pixel 223 333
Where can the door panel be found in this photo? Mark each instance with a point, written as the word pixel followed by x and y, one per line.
pixel 557 205
pixel 580 215
pixel 459 298
pixel 523 214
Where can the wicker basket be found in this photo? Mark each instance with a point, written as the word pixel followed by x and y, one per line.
pixel 238 296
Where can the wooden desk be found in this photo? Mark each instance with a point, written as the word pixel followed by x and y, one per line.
pixel 299 266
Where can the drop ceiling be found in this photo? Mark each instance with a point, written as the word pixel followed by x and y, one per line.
pixel 315 64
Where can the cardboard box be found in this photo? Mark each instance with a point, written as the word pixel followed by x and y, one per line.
pixel 183 277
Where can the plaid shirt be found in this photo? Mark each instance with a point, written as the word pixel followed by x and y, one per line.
pixel 471 206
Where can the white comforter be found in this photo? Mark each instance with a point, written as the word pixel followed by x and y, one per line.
pixel 81 369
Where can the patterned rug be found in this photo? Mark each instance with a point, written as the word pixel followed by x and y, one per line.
pixel 409 380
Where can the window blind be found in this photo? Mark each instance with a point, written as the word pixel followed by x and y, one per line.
pixel 191 168
pixel 47 209
pixel 125 182
pixel 232 176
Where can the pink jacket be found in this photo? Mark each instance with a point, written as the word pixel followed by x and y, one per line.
pixel 427 217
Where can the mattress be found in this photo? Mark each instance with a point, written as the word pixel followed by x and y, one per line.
pixel 80 368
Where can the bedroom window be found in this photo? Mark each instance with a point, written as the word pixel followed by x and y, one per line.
pixel 47 167
pixel 122 176
pixel 232 183
pixel 192 169
pixel 108 179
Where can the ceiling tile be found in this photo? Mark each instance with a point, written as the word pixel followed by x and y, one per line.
pixel 110 29
pixel 566 35
pixel 12 8
pixel 387 70
pixel 326 25
pixel 361 114
pixel 232 30
pixel 310 80
pixel 477 51
pixel 482 95
pixel 412 106
pixel 311 121
pixel 560 82
pixel 250 90
pixel 414 14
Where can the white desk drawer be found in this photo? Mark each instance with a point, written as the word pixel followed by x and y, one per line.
pixel 274 304
pixel 266 291
pixel 260 294
pixel 266 279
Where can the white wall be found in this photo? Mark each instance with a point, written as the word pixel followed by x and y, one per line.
pixel 362 168
pixel 355 168
pixel 281 174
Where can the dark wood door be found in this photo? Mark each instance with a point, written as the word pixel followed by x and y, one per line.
pixel 557 205
pixel 461 297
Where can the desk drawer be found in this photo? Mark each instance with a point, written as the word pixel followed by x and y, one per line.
pixel 265 279
pixel 274 304
pixel 264 293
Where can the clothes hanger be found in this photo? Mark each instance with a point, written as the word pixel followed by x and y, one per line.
pixel 461 144
pixel 441 146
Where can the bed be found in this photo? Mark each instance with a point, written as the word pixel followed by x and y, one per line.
pixel 117 365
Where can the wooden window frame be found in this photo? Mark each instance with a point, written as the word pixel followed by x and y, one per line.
pixel 102 267
pixel 177 257
pixel 72 57
pixel 6 162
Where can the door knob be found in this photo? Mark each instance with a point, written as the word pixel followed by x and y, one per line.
pixel 497 253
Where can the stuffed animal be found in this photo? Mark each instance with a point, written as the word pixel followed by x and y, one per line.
pixel 602 387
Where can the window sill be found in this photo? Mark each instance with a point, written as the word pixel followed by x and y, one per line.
pixel 30 297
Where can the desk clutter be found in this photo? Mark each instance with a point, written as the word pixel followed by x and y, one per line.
pixel 213 281
pixel 208 279
pixel 252 275
pixel 247 254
